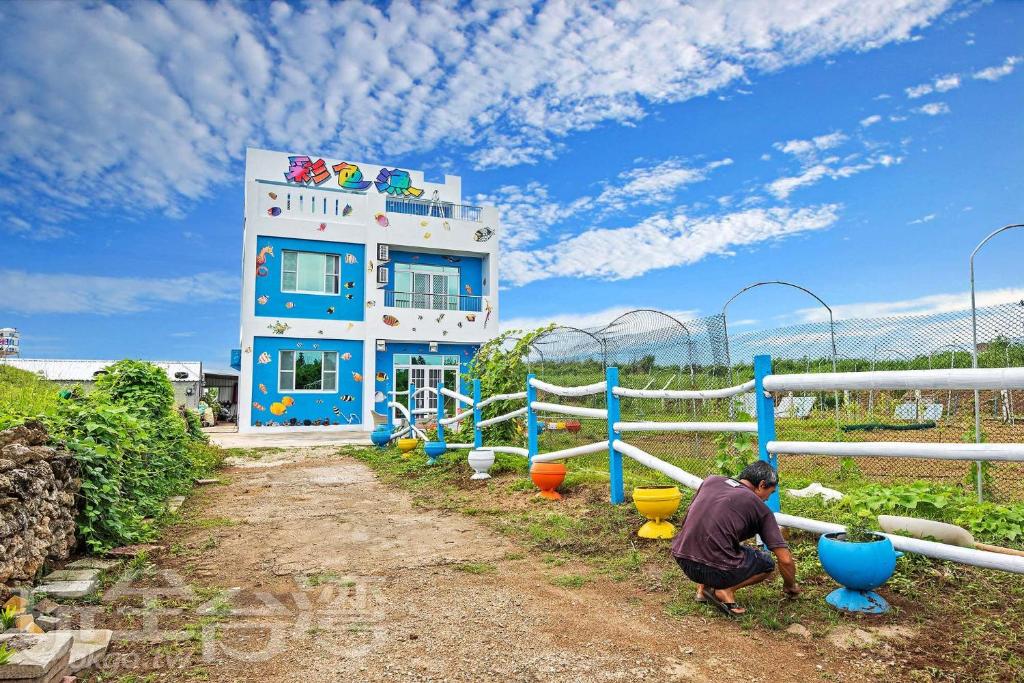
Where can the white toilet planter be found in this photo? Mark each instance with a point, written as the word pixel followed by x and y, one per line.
pixel 481 461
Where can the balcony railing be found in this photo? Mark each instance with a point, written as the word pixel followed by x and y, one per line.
pixel 419 207
pixel 433 302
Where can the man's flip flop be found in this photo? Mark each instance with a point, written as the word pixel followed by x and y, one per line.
pixel 725 608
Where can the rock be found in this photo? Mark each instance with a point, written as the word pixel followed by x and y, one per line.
pixel 68 590
pixel 46 606
pixel 23 621
pixel 19 604
pixel 48 622
pixel 37 658
pixel 799 630
pixel 89 649
pixel 93 563
pixel 207 482
pixel 72 575
pixel 174 503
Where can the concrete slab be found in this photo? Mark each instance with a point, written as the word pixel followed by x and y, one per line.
pixel 68 589
pixel 174 503
pixel 72 575
pixel 42 657
pixel 93 563
pixel 89 648
pixel 49 622
pixel 289 439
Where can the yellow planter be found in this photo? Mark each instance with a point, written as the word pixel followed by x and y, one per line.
pixel 657 503
pixel 407 445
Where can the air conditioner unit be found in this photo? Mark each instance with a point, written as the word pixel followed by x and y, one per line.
pixel 383 253
pixel 382 275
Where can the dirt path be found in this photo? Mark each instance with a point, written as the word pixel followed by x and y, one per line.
pixel 347 581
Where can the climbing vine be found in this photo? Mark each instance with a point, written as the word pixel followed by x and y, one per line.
pixel 500 365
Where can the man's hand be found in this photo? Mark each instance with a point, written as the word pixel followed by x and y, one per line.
pixel 792 591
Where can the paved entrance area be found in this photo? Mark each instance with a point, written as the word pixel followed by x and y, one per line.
pixel 227 436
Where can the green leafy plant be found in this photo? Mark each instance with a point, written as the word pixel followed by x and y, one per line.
pixel 734 452
pixel 500 365
pixel 918 499
pixel 7 617
pixel 6 652
pixel 995 522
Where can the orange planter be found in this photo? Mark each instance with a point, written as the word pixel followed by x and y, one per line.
pixel 548 476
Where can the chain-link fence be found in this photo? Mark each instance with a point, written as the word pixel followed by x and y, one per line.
pixel 656 351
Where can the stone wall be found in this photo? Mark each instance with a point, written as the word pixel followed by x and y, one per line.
pixel 38 484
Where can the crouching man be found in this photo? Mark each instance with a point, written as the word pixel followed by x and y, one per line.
pixel 709 549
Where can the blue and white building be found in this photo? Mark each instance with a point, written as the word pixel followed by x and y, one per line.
pixel 359 279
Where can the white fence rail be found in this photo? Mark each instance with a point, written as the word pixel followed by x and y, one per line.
pixel 585 390
pixel 578 411
pixel 624 392
pixel 992 452
pixel 954 378
pixel 748 427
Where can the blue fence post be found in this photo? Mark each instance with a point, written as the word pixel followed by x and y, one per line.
pixel 618 495
pixel 412 410
pixel 531 420
pixel 440 411
pixel 766 422
pixel 478 434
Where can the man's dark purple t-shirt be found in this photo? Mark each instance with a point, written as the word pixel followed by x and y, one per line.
pixel 722 515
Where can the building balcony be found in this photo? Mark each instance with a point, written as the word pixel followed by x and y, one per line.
pixel 433 302
pixel 434 209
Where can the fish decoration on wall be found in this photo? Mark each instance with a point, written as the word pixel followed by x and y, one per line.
pixel 346 356
pixel 346 398
pixel 371 303
pixel 426 235
pixel 440 317
pixel 396 183
pixel 350 296
pixel 382 377
pixel 323 226
pixel 274 211
pixel 319 401
pixel 262 388
pixel 446 225
pixel 356 377
pixel 471 317
pixel 469 289
pixel 350 177
pixel 390 320
pixel 263 358
pixel 350 259
pixel 350 285
pixel 330 310
pixel 424 223
pixel 459 324
pixel 298 344
pixel 488 309
pixel 350 327
pixel 263 300
pixel 261 260
pixel 248 349
pixel 258 406
pixel 336 410
pixel 483 234
pixel 444 333
pixel 347 211
pixel 378 397
pixel 317 346
pixel 272 195
pixel 382 219
pixel 452 259
pixel 289 304
pixel 278 327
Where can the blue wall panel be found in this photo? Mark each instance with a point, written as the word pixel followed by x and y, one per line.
pixel 470 268
pixel 343 406
pixel 385 367
pixel 348 304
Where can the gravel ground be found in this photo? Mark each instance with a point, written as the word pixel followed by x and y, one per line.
pixel 333 576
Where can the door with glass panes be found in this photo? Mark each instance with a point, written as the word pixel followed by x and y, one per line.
pixel 426 370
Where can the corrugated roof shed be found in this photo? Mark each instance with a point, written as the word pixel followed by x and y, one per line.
pixel 58 370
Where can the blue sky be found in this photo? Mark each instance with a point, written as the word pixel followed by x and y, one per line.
pixel 651 155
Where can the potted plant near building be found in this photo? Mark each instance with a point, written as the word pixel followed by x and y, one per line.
pixel 860 560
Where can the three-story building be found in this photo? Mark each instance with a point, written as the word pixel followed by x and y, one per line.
pixel 358 280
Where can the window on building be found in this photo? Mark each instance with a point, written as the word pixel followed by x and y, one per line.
pixel 308 371
pixel 307 272
pixel 419 286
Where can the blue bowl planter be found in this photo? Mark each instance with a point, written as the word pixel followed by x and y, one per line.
pixel 380 436
pixel 434 450
pixel 860 567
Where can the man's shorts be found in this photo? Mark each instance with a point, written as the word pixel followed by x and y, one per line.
pixel 755 561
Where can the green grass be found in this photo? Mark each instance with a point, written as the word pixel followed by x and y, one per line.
pixel 23 394
pixel 476 567
pixel 570 581
pixel 253 453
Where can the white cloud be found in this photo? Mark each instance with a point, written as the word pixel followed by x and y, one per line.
pixel 805 149
pixel 933 109
pixel 781 188
pixel 35 293
pixel 584 321
pixel 938 84
pixel 661 241
pixel 916 91
pixel 870 120
pixel 994 73
pixel 150 105
pixel 947 83
pixel 924 305
pixel 923 219
pixel 655 184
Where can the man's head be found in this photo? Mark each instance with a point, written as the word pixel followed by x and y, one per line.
pixel 762 478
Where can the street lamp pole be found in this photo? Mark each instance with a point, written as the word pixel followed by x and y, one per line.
pixel 974 347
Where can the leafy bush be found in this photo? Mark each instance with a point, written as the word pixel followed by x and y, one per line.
pixel 993 522
pixel 24 395
pixel 135 451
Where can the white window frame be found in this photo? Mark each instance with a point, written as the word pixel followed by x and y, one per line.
pixel 427 399
pixel 323 275
pixel 408 299
pixel 280 369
